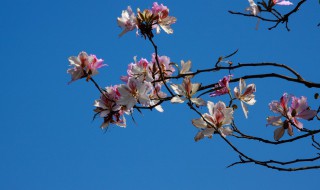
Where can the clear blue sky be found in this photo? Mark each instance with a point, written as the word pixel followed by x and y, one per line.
pixel 48 139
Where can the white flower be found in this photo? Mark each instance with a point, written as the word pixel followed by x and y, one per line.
pixel 247 96
pixel 134 92
pixel 186 90
pixel 219 115
pixel 127 21
pixel 253 9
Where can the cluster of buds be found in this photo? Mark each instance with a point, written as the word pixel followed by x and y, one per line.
pixel 147 20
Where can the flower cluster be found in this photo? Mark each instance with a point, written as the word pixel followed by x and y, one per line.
pixel 137 89
pixel 157 18
pixel 84 65
pixel 220 115
pixel 298 109
pixel 144 80
pixel 244 93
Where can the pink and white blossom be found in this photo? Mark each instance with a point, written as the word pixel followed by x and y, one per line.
pixel 162 20
pixel 222 86
pixel 219 116
pixel 139 70
pixel 133 92
pixel 108 109
pixel 84 66
pixel 78 64
pixel 299 109
pixel 282 2
pixel 245 94
pixel 185 91
pixel 160 11
pixel 164 62
pixel 127 21
pixel 165 24
pixel 156 18
pixel 94 64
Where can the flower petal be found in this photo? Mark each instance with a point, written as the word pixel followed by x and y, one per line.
pixel 198 101
pixel 185 67
pixel 178 99
pixel 198 136
pixel 307 114
pixel 278 133
pixel 244 109
pixel 159 108
pixel 274 120
pixel 177 89
pixel 226 131
pixel 199 123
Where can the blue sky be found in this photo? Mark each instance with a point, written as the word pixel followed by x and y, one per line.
pixel 48 139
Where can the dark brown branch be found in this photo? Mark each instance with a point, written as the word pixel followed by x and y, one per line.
pixel 266 164
pixel 263 64
pixel 268 75
pixel 251 15
pixel 279 17
pixel 159 66
pixel 244 136
pixel 315 144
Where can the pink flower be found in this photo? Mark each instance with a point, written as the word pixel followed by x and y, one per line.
pixel 108 109
pixel 219 116
pixel 223 87
pixel 160 14
pixel 156 18
pixel 84 66
pixel 133 92
pixel 247 96
pixel 298 109
pixel 94 64
pixel 127 21
pixel 160 10
pixel 282 2
pixel 164 63
pixel 165 24
pixel 139 70
pixel 78 63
